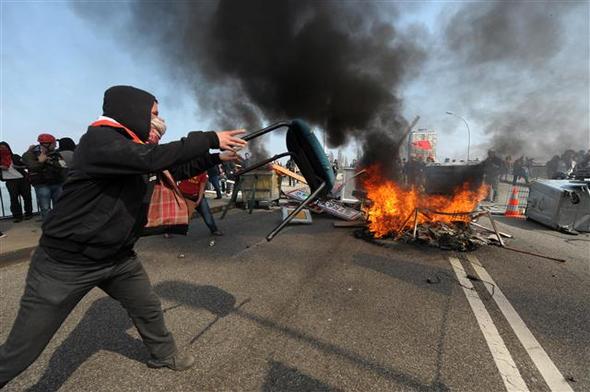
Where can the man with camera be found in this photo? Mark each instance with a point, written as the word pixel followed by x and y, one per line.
pixel 47 171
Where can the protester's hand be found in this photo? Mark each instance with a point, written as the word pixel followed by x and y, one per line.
pixel 228 140
pixel 42 156
pixel 229 156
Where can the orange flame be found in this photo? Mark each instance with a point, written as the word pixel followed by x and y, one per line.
pixel 392 205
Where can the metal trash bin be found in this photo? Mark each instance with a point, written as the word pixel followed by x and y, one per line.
pixel 445 179
pixel 560 204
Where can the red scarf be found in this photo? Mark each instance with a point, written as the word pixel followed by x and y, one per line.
pixel 5 158
pixel 112 123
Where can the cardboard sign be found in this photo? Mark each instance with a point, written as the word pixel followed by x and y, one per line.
pixel 338 210
pixel 303 217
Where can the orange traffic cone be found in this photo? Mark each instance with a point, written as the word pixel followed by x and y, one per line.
pixel 512 210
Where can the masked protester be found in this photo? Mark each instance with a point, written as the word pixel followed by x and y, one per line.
pixel 12 171
pixel 66 150
pixel 47 171
pixel 88 238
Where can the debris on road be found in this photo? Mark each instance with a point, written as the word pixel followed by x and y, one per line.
pixel 457 236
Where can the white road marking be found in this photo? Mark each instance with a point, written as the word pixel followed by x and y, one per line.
pixel 547 368
pixel 504 362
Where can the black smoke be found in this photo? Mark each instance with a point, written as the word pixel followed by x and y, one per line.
pixel 521 70
pixel 337 65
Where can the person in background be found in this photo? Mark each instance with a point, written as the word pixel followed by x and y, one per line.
pixel 292 167
pixel 335 167
pixel 47 172
pixel 66 149
pixel 519 170
pixel 229 168
pixel 213 174
pixel 551 167
pixel 88 239
pixel 17 182
pixel 414 171
pixel 566 164
pixel 507 167
pixel 194 189
pixel 246 161
pixel 493 167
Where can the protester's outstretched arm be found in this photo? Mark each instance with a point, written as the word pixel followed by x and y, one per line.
pixel 194 167
pixel 104 152
pixel 201 164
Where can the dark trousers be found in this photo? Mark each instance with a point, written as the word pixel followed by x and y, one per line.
pixel 53 289
pixel 22 188
pixel 214 180
pixel 494 183
pixel 207 215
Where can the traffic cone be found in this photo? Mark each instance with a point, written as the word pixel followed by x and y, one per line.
pixel 512 210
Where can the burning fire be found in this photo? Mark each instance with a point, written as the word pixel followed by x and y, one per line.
pixel 392 204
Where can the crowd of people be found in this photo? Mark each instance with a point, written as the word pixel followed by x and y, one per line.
pixel 559 167
pixel 565 165
pixel 43 166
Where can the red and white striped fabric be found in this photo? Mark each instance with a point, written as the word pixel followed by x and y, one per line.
pixel 167 206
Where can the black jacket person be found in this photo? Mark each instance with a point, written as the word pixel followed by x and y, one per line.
pixel 88 238
pixel 12 171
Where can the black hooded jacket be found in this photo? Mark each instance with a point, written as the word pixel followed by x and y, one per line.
pixel 103 208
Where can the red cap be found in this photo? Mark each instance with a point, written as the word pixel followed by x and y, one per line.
pixel 46 138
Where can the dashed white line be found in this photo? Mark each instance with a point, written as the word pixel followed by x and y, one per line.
pixel 547 368
pixel 504 362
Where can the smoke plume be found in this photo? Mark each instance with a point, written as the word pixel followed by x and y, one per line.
pixel 521 70
pixel 336 65
pixel 518 70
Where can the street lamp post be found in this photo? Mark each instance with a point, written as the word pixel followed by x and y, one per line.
pixel 468 132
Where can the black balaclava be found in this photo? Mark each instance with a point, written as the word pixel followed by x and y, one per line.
pixel 66 144
pixel 130 107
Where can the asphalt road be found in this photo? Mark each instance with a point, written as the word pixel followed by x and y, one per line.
pixel 319 310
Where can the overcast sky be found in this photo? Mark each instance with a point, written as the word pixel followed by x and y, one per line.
pixel 55 66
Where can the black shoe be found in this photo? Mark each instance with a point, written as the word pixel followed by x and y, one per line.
pixel 177 362
pixel 217 233
pixel 17 220
pixel 27 217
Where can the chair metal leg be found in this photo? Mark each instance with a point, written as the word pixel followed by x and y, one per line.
pixel 234 197
pixel 252 201
pixel 296 211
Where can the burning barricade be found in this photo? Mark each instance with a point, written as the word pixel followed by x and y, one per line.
pixel 410 215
